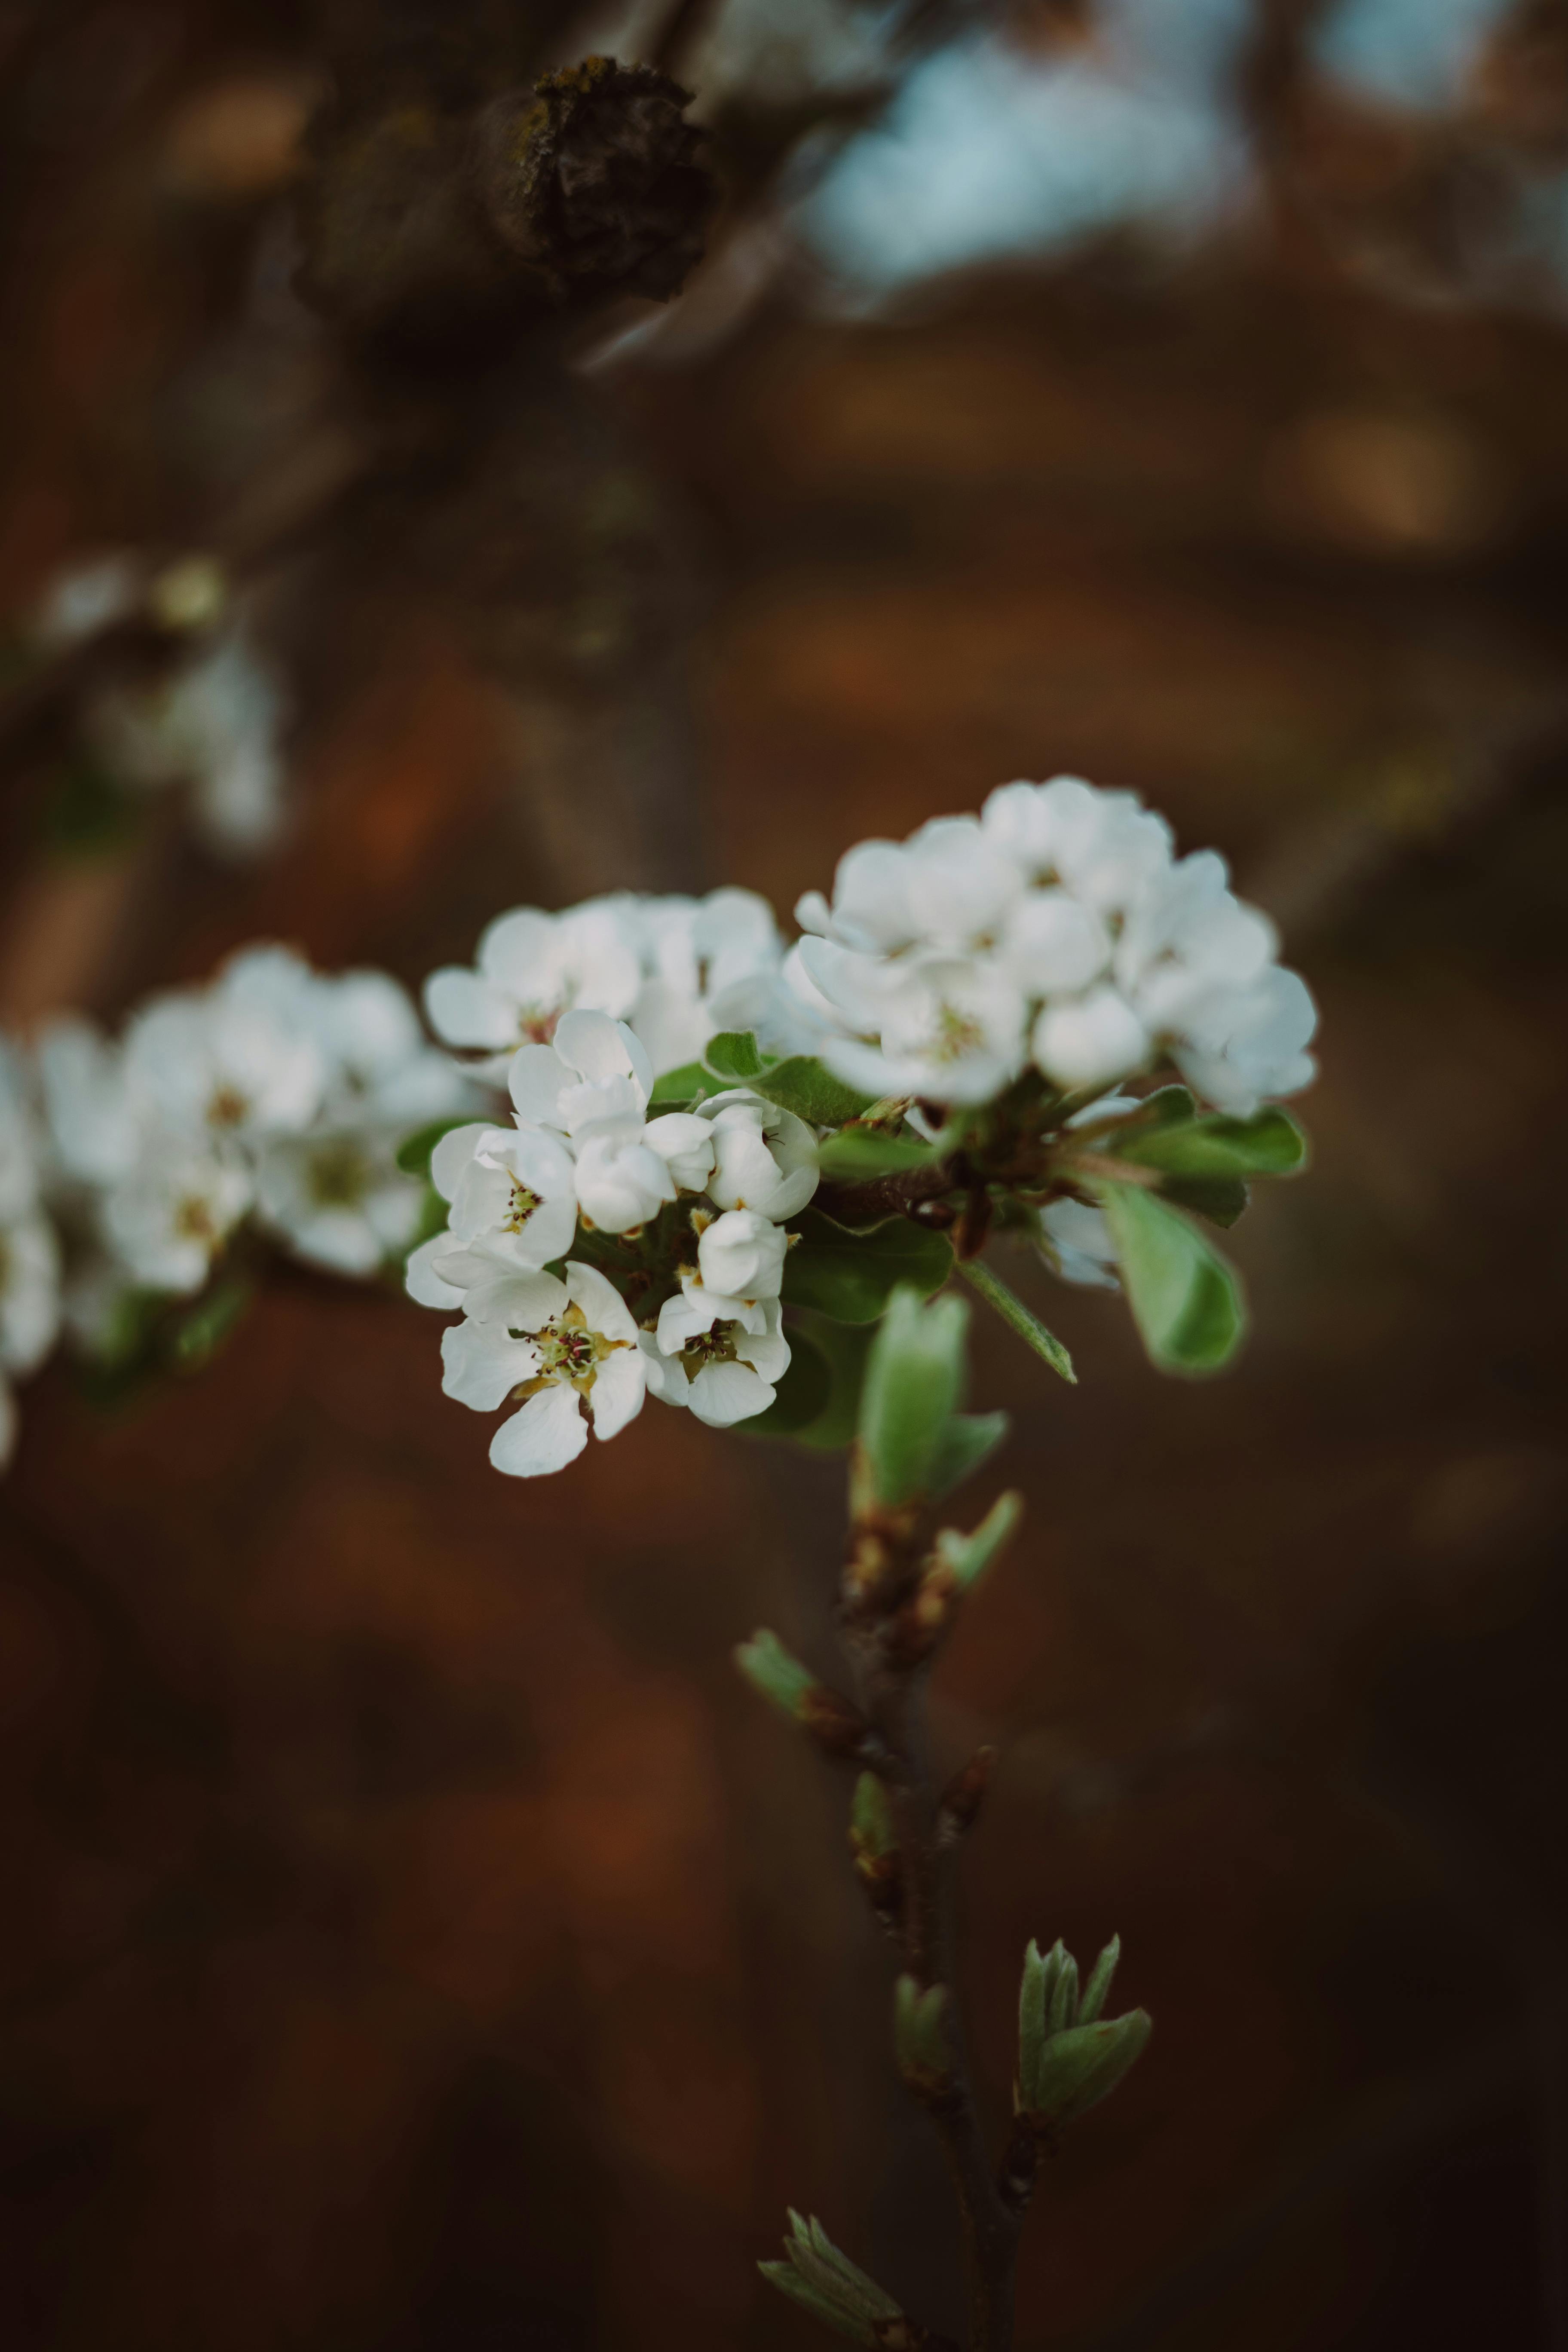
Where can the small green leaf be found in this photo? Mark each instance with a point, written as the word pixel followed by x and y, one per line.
pixel 1063 2012
pixel 913 1380
pixel 970 1555
pixel 851 1276
pixel 859 1154
pixel 1185 1299
pixel 197 1336
pixel 802 1084
pixel 735 1056
pixel 688 1085
pixel 1018 1318
pixel 1097 1991
pixel 800 1397
pixel 413 1154
pixel 969 1439
pixel 1078 2067
pixel 778 1676
pixel 1032 2001
pixel 1270 1143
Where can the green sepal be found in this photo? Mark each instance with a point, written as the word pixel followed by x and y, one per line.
pixel 851 1276
pixel 1018 1318
pixel 1270 1143
pixel 1185 1299
pixel 414 1152
pixel 970 1555
pixel 914 1377
pixel 859 1154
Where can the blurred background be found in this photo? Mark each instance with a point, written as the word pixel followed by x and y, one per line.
pixel 416 1937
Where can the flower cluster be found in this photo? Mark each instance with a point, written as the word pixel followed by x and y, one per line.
pixel 676 970
pixel 1057 929
pixel 599 1254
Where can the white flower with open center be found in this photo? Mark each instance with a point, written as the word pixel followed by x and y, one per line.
pixel 512 1191
pixel 723 1368
pixel 168 1219
pixel 338 1197
pixel 568 1351
pixel 950 1029
pixel 531 968
pixel 222 1063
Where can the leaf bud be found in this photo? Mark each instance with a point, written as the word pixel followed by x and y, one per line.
pixel 794 1690
pixel 829 2285
pixel 919 2037
pixel 969 1557
pixel 914 1374
pixel 1068 2058
pixel 874 1843
pixel 964 1796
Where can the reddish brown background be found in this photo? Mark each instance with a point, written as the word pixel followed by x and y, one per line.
pixel 415 1938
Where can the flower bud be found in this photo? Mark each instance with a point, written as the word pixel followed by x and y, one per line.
pixel 741 1255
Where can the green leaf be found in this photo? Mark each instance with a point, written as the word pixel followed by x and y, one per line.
pixel 860 1153
pixel 970 1555
pixel 196 1337
pixel 413 1154
pixel 1032 1995
pixel 844 1347
pixel 801 1395
pixel 913 1380
pixel 801 1084
pixel 1185 1300
pixel 1018 1318
pixel 776 1673
pixel 1218 1199
pixel 1077 2068
pixel 851 1276
pixel 1098 1986
pixel 686 1084
pixel 969 1439
pixel 735 1056
pixel 1270 1143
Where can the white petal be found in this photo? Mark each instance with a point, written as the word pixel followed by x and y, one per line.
pixel 484 1364
pixel 537 1080
pixel 421 1280
pixel 1087 1041
pixel 620 1385
pixel 452 1155
pixel 604 1310
pixel 516 1302
pixel 722 1394
pixel 545 1435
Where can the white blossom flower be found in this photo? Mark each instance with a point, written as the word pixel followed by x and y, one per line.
pixel 1056 925
pixel 29 1290
pixel 91 1118
pixel 513 1203
pixel 338 1197
pixel 215 725
pixel 1083 1041
pixel 684 1143
pixel 723 1368
pixel 569 1350
pixel 222 1063
pixel 596 1070
pixel 764 1158
pixel 170 1217
pixel 622 1181
pixel 531 967
pixel 712 964
pixel 741 1255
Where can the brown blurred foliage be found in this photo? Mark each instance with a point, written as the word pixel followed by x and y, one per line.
pixel 415 1939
